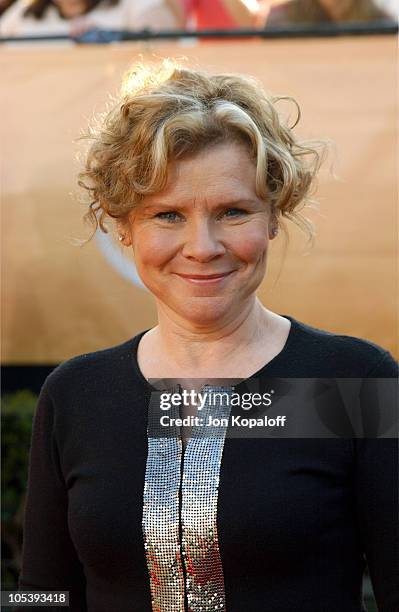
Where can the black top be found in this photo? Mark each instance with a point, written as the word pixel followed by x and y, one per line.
pixel 295 516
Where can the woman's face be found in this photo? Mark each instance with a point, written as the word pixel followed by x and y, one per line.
pixel 207 221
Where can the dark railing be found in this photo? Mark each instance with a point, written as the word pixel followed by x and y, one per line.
pixel 376 28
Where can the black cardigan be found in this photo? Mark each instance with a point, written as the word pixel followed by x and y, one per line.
pixel 295 516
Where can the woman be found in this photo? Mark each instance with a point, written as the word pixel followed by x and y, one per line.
pixel 74 17
pixel 125 513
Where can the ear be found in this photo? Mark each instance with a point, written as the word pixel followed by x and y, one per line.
pixel 124 233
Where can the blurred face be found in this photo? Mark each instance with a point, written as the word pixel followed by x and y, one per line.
pixel 201 244
pixel 71 8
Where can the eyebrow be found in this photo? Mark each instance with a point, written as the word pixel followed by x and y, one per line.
pixel 177 206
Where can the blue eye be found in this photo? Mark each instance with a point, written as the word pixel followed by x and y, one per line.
pixel 170 216
pixel 237 211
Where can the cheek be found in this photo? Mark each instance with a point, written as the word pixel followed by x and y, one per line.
pixel 252 244
pixel 154 249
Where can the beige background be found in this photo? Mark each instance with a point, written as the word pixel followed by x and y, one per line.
pixel 60 300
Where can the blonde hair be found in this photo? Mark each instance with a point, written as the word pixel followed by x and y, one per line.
pixel 167 112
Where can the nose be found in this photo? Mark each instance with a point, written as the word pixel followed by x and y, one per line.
pixel 202 242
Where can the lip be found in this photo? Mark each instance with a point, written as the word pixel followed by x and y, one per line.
pixel 202 279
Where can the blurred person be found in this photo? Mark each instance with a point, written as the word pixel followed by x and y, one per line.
pixel 324 11
pixel 197 174
pixel 74 17
pixel 224 14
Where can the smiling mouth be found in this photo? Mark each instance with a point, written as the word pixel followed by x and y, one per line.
pixel 204 278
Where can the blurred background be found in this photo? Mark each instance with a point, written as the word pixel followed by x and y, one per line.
pixel 61 60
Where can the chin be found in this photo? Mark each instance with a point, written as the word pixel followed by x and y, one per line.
pixel 205 311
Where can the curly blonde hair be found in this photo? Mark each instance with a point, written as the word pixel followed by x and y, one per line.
pixel 168 112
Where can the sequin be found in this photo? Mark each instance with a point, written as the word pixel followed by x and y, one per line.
pixel 180 510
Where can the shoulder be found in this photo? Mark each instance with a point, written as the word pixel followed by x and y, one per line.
pixel 93 372
pixel 341 354
pixel 91 392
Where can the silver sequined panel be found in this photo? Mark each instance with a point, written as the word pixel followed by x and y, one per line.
pixel 180 498
pixel 200 485
pixel 161 516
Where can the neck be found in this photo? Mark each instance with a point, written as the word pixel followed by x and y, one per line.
pixel 191 346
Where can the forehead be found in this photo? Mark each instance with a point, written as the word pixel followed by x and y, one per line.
pixel 222 172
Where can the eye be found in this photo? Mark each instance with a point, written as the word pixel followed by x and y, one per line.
pixel 234 212
pixel 170 216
